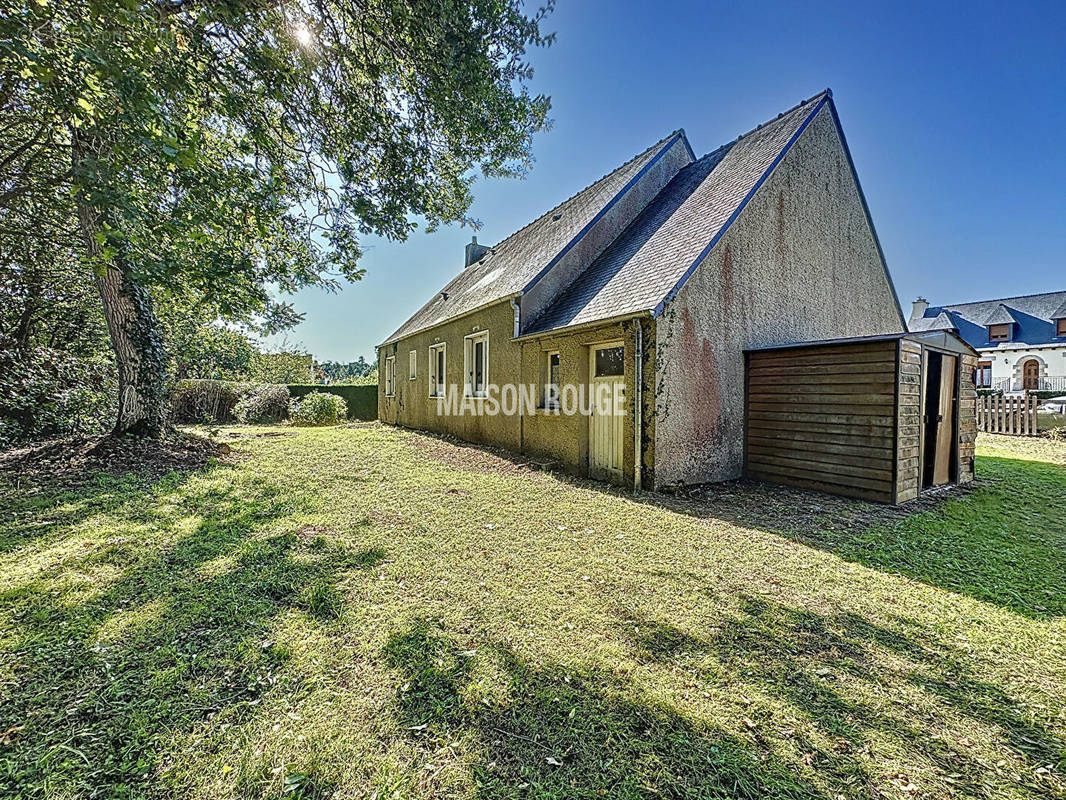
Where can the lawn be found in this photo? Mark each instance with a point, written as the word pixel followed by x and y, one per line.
pixel 370 612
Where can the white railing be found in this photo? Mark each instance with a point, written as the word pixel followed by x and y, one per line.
pixel 1055 384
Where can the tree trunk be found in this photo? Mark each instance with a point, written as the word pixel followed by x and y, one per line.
pixel 135 339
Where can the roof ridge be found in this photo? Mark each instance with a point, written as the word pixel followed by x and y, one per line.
pixel 1001 299
pixel 554 208
pixel 801 104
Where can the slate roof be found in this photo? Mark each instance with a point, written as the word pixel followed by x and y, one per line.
pixel 513 263
pixel 1033 316
pixel 648 262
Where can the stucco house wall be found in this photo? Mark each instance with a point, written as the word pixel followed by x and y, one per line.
pixel 412 407
pixel 553 437
pixel 1007 362
pixel 800 263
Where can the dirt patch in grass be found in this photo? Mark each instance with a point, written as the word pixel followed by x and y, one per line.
pixel 68 462
pixel 457 454
pixel 769 506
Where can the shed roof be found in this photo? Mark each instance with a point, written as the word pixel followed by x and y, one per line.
pixel 942 339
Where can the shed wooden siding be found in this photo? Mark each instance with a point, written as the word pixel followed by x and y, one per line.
pixel 825 418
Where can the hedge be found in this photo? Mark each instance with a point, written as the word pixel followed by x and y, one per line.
pixel 362 400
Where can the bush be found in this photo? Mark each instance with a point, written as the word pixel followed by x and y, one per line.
pixel 362 400
pixel 268 402
pixel 46 393
pixel 317 408
pixel 1057 434
pixel 205 401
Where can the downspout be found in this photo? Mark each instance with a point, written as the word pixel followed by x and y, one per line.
pixel 638 385
pixel 521 348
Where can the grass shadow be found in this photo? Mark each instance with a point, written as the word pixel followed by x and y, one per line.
pixel 165 637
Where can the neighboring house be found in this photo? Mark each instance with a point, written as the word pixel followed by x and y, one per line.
pixel 1022 340
pixel 651 282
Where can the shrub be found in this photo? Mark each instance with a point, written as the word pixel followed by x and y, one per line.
pixel 317 408
pixel 204 401
pixel 268 402
pixel 362 400
pixel 46 393
pixel 1057 434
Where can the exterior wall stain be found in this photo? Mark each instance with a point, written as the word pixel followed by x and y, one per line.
pixel 799 264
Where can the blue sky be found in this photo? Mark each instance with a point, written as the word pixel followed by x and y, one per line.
pixel 955 115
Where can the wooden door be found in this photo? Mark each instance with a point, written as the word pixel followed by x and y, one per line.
pixel 607 386
pixel 945 429
pixel 1031 375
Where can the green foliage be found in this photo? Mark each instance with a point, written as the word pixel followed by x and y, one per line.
pixel 318 408
pixel 368 379
pixel 283 367
pixel 337 372
pixel 207 350
pixel 205 400
pixel 268 402
pixel 218 152
pixel 46 393
pixel 362 400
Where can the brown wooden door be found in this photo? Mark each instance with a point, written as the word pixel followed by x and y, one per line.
pixel 1031 375
pixel 945 429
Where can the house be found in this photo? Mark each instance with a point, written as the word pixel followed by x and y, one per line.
pixel 609 335
pixel 1022 340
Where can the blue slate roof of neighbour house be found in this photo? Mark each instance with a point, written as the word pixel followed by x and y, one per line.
pixel 647 263
pixel 1031 316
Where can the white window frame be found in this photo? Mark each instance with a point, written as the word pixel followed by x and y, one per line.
pixel 438 381
pixel 390 376
pixel 545 400
pixel 412 365
pixel 469 343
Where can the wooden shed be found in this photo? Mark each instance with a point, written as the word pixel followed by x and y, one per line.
pixel 879 417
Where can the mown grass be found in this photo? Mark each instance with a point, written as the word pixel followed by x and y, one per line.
pixel 369 612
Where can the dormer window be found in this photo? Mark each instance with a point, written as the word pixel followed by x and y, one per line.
pixel 1060 327
pixel 999 333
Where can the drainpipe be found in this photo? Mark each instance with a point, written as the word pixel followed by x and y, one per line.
pixel 517 317
pixel 521 352
pixel 638 381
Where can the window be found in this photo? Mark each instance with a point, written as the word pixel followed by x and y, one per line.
pixel 610 361
pixel 437 364
pixel 1060 327
pixel 999 333
pixel 390 376
pixel 551 380
pixel 983 375
pixel 412 365
pixel 477 363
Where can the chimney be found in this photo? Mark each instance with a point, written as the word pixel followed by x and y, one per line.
pixel 474 252
pixel 918 308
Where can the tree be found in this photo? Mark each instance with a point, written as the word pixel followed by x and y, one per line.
pixel 228 146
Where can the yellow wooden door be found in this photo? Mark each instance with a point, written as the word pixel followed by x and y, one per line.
pixel 945 429
pixel 607 403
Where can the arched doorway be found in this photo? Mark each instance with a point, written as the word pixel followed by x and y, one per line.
pixel 1031 375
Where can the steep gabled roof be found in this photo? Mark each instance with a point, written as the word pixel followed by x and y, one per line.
pixel 1000 315
pixel 1032 314
pixel 514 263
pixel 649 261
pixel 647 264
